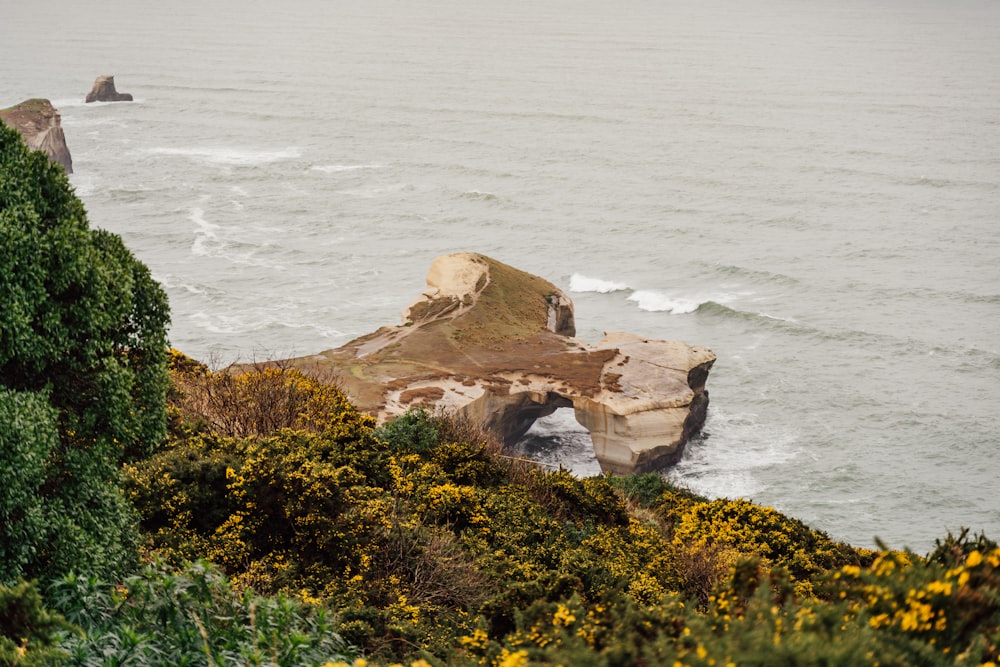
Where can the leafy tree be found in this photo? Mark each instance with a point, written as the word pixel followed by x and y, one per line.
pixel 82 373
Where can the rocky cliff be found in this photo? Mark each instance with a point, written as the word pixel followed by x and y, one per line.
pixel 41 126
pixel 104 91
pixel 496 344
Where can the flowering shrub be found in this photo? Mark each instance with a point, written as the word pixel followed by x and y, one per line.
pixel 427 544
pixel 763 531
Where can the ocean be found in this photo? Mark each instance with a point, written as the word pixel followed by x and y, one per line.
pixel 810 189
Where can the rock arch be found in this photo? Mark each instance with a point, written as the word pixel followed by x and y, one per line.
pixel 497 345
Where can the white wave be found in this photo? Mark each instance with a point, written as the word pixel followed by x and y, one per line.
pixel 204 233
pixel 336 168
pixel 660 302
pixel 229 156
pixel 581 283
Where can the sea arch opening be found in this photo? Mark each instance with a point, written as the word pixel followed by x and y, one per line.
pixel 556 439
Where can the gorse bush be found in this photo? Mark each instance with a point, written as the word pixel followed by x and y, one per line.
pixel 250 401
pixel 428 546
pixel 423 543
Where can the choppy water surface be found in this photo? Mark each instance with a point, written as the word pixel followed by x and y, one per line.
pixel 808 188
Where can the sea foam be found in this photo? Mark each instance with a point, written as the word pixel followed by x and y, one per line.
pixel 229 156
pixel 337 168
pixel 659 302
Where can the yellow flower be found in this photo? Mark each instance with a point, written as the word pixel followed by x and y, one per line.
pixel 879 621
pixel 563 616
pixel 974 559
pixel 477 640
pixel 515 659
pixel 939 587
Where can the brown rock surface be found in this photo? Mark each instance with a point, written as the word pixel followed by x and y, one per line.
pixel 41 126
pixel 496 345
pixel 104 91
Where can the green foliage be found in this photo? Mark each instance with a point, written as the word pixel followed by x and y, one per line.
pixel 191 617
pixel 28 437
pixel 82 317
pixel 82 374
pixel 415 430
pixel 28 631
pixel 644 489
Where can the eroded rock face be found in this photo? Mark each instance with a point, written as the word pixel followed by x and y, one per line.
pixel 496 345
pixel 104 91
pixel 41 126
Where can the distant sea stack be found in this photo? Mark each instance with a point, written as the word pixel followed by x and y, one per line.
pixel 496 345
pixel 41 126
pixel 104 91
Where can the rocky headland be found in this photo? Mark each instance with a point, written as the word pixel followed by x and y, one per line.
pixel 104 91
pixel 41 126
pixel 496 345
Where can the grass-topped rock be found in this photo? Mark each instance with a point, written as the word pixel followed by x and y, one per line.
pixel 495 345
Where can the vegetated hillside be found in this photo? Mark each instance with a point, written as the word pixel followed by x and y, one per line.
pixel 261 519
pixel 425 541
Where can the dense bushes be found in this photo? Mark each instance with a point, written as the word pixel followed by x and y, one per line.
pixel 420 542
pixel 82 375
pixel 426 541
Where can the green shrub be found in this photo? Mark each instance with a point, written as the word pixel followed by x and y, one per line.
pixel 29 633
pixel 415 430
pixel 83 330
pixel 191 617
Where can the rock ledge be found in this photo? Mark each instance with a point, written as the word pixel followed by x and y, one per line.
pixel 496 345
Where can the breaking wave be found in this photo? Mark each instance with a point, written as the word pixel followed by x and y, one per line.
pixel 581 283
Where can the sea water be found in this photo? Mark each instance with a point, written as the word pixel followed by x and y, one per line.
pixel 808 188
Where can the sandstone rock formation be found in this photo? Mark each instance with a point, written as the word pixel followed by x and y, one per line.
pixel 41 126
pixel 104 91
pixel 496 345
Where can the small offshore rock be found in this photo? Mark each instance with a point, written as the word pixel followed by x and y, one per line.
pixel 104 91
